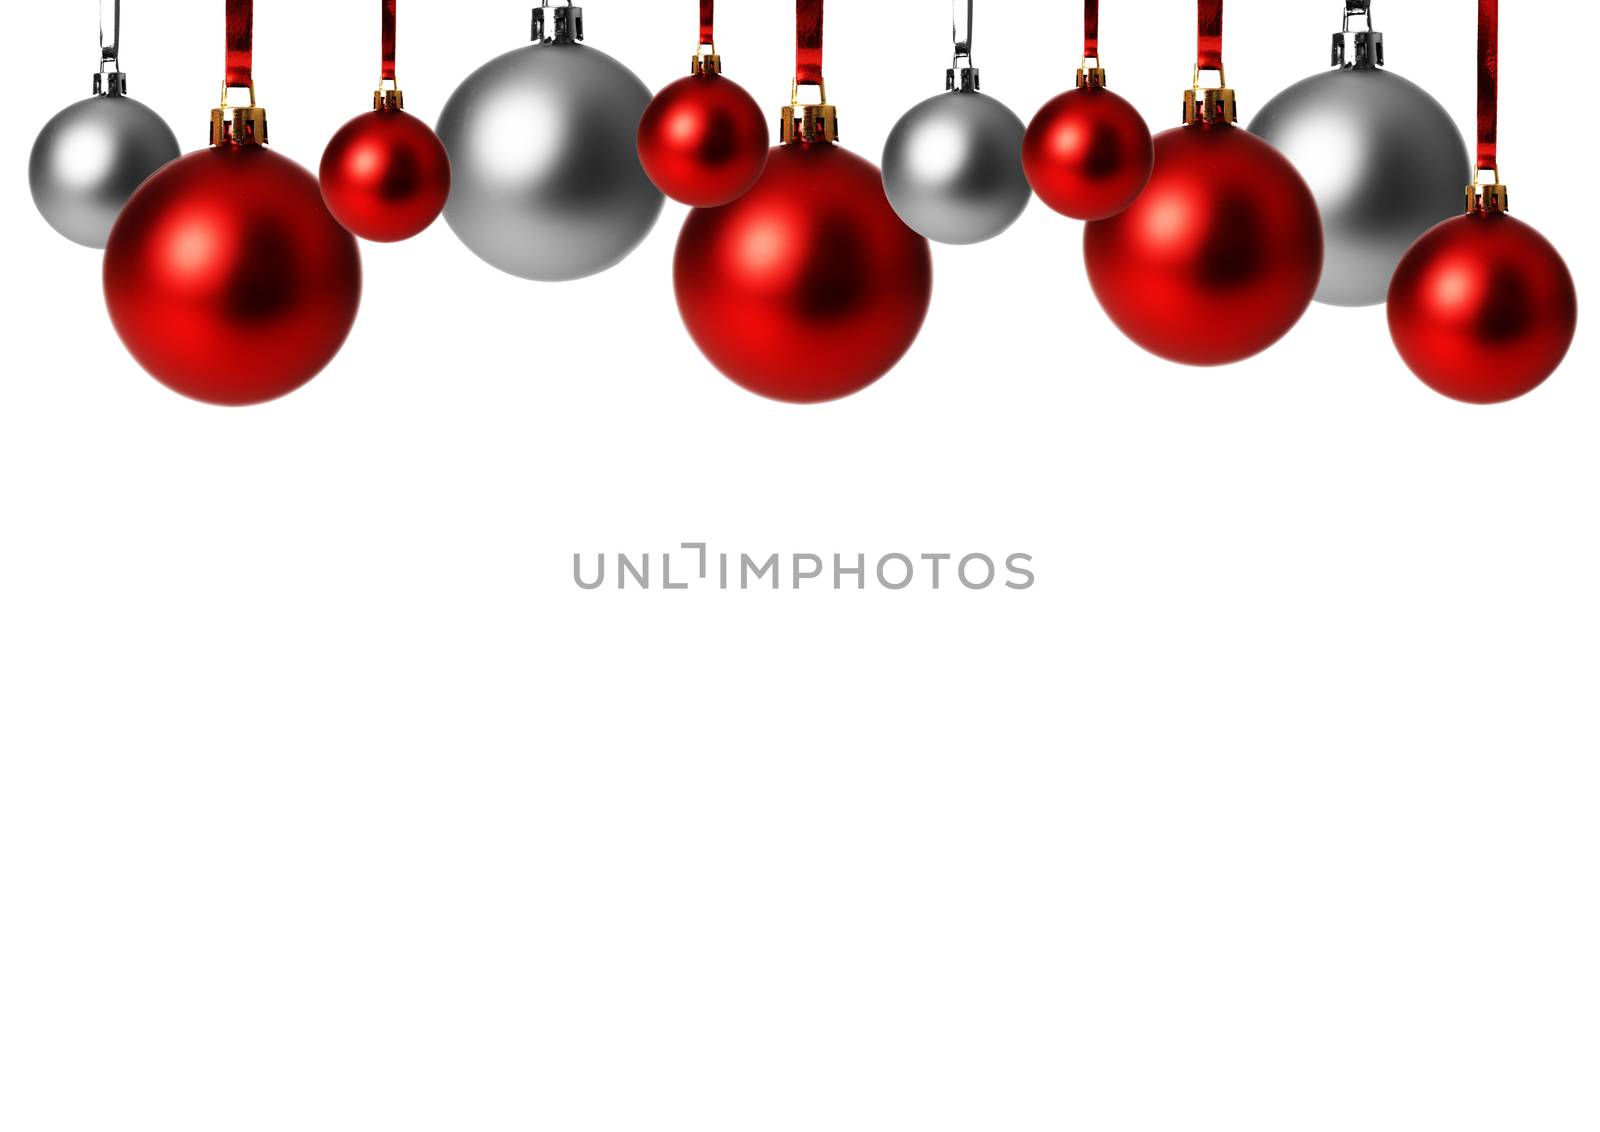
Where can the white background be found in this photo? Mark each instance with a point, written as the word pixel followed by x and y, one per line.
pixel 328 802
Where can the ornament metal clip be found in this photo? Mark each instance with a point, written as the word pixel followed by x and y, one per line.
pixel 111 83
pixel 239 125
pixel 706 61
pixel 1088 76
pixel 565 26
pixel 388 98
pixel 1361 50
pixel 962 75
pixel 1211 105
pixel 1493 197
pixel 812 122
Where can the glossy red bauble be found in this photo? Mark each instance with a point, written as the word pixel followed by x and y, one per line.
pixel 1088 153
pixel 385 175
pixel 1483 308
pixel 228 279
pixel 1220 255
pixel 703 140
pixel 808 287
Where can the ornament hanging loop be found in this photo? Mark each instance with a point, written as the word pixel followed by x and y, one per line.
pixel 962 75
pixel 109 79
pixel 564 26
pixel 816 122
pixel 1357 49
pixel 706 61
pixel 1209 105
pixel 1088 76
pixel 390 96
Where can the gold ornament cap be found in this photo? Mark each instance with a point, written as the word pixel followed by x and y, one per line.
pixel 1212 105
pixel 1492 197
pixel 815 122
pixel 239 125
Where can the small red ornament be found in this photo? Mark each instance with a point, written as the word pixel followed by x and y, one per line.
pixel 808 288
pixel 225 275
pixel 1483 308
pixel 703 140
pixel 1221 254
pixel 1088 153
pixel 385 175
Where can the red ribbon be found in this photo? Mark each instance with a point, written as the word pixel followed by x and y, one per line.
pixel 1488 84
pixel 708 22
pixel 1091 29
pixel 1209 55
pixel 808 42
pixel 240 24
pixel 388 39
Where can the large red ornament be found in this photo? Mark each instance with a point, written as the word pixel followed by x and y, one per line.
pixel 1088 153
pixel 1483 308
pixel 385 175
pixel 1218 258
pixel 227 278
pixel 1221 254
pixel 703 140
pixel 809 287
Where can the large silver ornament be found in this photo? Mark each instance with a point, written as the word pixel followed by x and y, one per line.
pixel 546 178
pixel 89 159
pixel 952 166
pixel 1385 161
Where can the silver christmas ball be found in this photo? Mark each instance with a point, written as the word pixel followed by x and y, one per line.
pixel 953 168
pixel 546 178
pixel 1385 161
pixel 89 159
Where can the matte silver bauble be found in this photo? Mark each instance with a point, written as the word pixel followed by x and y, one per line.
pixel 89 159
pixel 1385 161
pixel 547 182
pixel 953 168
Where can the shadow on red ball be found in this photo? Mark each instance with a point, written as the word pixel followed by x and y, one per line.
pixel 1483 308
pixel 385 176
pixel 703 140
pixel 227 278
pixel 1218 258
pixel 808 288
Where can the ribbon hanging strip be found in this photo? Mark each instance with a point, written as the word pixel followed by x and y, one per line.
pixel 1488 85
pixel 1208 56
pixel 808 43
pixel 241 24
pixel 388 39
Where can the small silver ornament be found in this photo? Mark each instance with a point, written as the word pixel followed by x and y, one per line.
pixel 953 165
pixel 547 182
pixel 1385 161
pixel 89 159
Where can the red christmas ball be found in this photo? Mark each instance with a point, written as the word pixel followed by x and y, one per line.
pixel 227 278
pixel 385 175
pixel 1220 255
pixel 807 288
pixel 703 140
pixel 1483 308
pixel 1088 153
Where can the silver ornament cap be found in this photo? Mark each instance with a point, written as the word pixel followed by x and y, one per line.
pixel 546 178
pixel 952 166
pixel 91 157
pixel 1383 157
